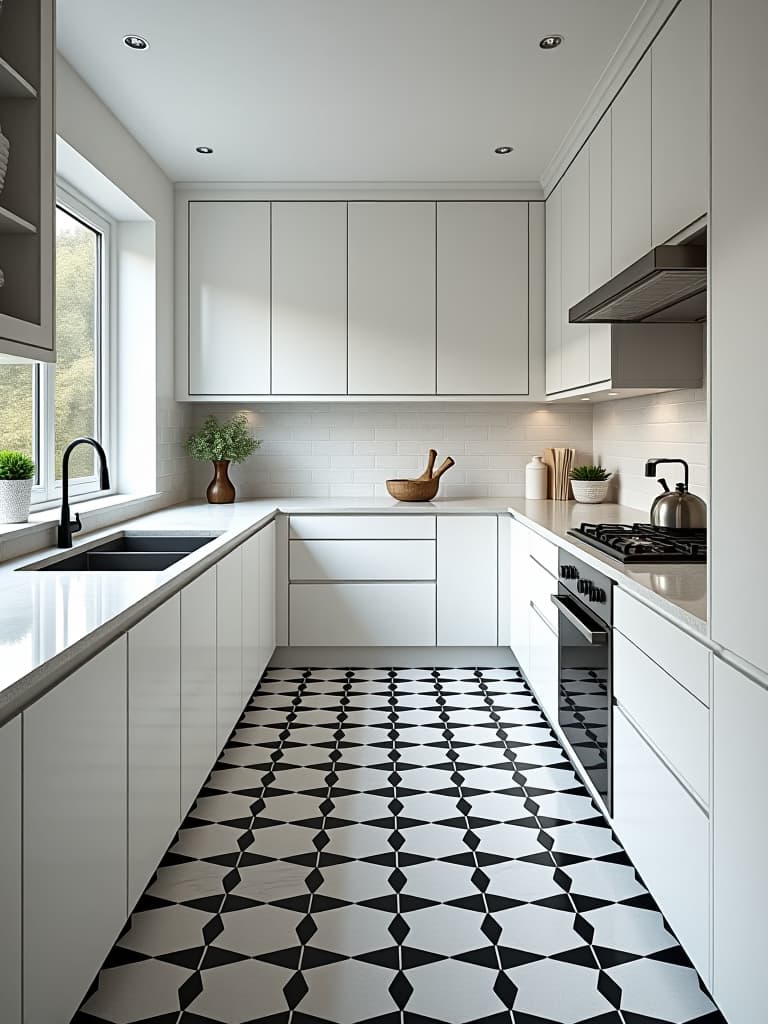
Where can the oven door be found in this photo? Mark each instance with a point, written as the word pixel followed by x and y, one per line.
pixel 585 690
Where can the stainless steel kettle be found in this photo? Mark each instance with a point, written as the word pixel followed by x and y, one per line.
pixel 678 509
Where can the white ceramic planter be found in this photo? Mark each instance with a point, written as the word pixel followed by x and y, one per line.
pixel 590 492
pixel 15 497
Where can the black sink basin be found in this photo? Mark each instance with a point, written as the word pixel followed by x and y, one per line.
pixel 135 552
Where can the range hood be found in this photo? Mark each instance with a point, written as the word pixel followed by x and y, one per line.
pixel 667 285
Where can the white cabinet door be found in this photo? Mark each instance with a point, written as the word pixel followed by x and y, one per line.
pixel 467 567
pixel 740 825
pixel 309 298
pixel 229 300
pixel 229 643
pixel 391 316
pixel 252 615
pixel 575 269
pixel 362 614
pixel 389 527
pixel 482 298
pixel 350 560
pixel 554 290
pixel 631 168
pixel 75 792
pixel 154 741
pixel 666 834
pixel 738 242
pixel 519 597
pixel 268 594
pixel 542 673
pixel 600 242
pixel 198 685
pixel 680 147
pixel 10 870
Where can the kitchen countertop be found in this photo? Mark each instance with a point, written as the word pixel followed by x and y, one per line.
pixel 53 622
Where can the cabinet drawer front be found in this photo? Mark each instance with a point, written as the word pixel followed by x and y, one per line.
pixel 673 720
pixel 544 552
pixel 684 658
pixel 394 527
pixel 362 614
pixel 541 587
pixel 667 836
pixel 362 560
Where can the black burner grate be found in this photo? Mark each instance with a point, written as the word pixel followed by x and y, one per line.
pixel 641 542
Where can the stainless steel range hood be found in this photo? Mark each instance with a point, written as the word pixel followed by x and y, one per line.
pixel 667 285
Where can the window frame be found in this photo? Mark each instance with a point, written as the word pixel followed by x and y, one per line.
pixel 46 490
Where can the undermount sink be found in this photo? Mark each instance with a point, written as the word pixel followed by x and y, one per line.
pixel 133 552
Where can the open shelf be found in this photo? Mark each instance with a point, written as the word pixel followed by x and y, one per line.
pixel 10 224
pixel 13 85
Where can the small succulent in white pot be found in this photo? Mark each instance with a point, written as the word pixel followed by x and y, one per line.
pixel 590 484
pixel 16 473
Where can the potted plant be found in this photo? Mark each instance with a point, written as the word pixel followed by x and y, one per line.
pixel 590 484
pixel 16 473
pixel 222 443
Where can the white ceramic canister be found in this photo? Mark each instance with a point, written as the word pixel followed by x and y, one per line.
pixel 536 479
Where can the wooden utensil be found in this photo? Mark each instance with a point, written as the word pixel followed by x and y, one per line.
pixel 423 488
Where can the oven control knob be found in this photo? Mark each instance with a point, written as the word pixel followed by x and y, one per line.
pixel 583 586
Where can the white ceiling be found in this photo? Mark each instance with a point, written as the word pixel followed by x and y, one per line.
pixel 345 90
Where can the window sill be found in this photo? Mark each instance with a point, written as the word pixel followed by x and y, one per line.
pixel 98 509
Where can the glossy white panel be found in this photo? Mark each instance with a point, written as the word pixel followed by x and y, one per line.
pixel 467 568
pixel 542 667
pixel 198 685
pixel 519 596
pixel 229 640
pixel 154 735
pixel 75 814
pixel 362 614
pixel 554 293
pixel 252 615
pixel 362 559
pixel 10 870
pixel 631 168
pixel 575 269
pixel 403 527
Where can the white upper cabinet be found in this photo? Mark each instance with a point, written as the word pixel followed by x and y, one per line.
pixel 391 305
pixel 575 371
pixel 738 246
pixel 680 151
pixel 482 298
pixel 631 168
pixel 309 298
pixel 229 298
pixel 554 285
pixel 600 242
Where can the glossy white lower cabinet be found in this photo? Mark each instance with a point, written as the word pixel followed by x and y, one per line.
pixel 75 870
pixel 467 568
pixel 154 741
pixel 349 560
pixel 519 597
pixel 740 826
pixel 362 614
pixel 542 665
pixel 10 871
pixel 251 616
pixel 268 601
pixel 198 685
pixel 229 643
pixel 666 833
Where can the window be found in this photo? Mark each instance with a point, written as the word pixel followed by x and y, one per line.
pixel 45 406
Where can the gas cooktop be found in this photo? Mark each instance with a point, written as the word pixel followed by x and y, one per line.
pixel 644 543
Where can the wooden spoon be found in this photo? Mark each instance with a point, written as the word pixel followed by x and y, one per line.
pixel 442 469
pixel 427 474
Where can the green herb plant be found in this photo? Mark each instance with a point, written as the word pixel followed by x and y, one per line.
pixel 230 441
pixel 16 466
pixel 589 473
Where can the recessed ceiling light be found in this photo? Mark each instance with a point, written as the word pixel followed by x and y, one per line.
pixel 585 399
pixel 136 42
pixel 613 393
pixel 550 42
pixel 503 150
pixel 205 150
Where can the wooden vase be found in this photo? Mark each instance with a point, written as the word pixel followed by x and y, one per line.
pixel 221 490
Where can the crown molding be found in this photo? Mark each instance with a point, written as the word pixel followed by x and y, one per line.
pixel 365 190
pixel 644 28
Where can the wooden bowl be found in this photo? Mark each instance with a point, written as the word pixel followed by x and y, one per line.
pixel 413 490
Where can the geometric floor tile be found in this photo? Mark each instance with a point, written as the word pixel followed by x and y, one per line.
pixel 404 846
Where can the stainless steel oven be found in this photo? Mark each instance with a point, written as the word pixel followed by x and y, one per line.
pixel 584 604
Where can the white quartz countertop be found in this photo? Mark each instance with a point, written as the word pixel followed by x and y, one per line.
pixel 52 622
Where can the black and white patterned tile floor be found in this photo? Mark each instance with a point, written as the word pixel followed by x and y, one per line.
pixel 398 847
